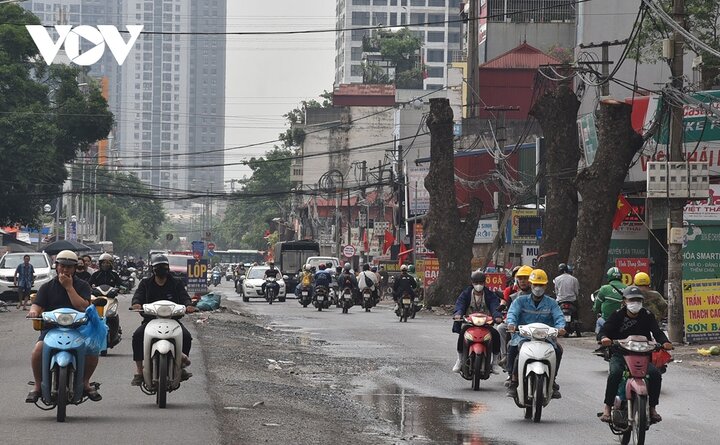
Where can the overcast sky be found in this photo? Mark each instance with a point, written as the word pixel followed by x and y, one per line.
pixel 268 76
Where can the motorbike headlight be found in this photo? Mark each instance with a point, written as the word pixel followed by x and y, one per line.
pixel 540 333
pixel 637 346
pixel 478 320
pixel 111 310
pixel 65 319
pixel 164 310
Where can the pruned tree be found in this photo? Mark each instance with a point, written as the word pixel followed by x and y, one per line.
pixel 599 186
pixel 446 233
pixel 556 111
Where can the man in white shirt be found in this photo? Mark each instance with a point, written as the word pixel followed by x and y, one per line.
pixel 368 279
pixel 567 286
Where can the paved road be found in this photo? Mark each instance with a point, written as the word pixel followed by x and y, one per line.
pixel 416 391
pixel 124 416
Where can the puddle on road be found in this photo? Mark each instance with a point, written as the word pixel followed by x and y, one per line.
pixel 422 419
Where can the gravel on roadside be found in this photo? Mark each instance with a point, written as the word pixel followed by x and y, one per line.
pixel 277 387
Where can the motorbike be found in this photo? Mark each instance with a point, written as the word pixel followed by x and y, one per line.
pixel 321 299
pixel 335 294
pixel 406 307
pixel 572 324
pixel 367 299
pixel 63 359
pixel 477 349
pixel 215 277
pixel 305 296
pixel 162 349
pixel 109 312
pixel 346 299
pixel 127 280
pixel 536 365
pixel 272 289
pixel 229 275
pixel 630 414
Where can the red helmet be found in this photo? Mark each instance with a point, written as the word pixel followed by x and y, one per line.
pixel 321 267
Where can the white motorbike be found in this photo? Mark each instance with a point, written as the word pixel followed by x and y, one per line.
pixel 162 344
pixel 536 367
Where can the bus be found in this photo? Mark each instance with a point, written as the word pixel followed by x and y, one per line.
pixel 237 256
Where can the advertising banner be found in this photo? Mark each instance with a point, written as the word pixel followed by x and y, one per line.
pixel 701 253
pixel 197 277
pixel 420 249
pixel 530 255
pixel 417 197
pixel 486 231
pixel 630 266
pixel 704 209
pixel 495 281
pixel 431 270
pixel 701 300
pixel 523 226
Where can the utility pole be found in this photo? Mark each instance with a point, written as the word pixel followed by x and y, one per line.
pixel 472 59
pixel 675 259
pixel 400 194
pixel 605 61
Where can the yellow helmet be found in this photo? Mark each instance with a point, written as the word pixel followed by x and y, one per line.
pixel 538 277
pixel 524 271
pixel 641 279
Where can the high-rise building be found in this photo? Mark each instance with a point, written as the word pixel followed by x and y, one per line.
pixel 440 31
pixel 168 97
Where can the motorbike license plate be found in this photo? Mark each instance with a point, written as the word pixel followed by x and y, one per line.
pixel 304 294
pixel 568 318
pixel 321 297
pixel 407 301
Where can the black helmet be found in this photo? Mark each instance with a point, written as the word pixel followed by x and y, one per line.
pixel 366 266
pixel 347 266
pixel 159 259
pixel 562 268
pixel 477 277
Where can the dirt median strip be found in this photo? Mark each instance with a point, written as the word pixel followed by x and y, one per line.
pixel 278 386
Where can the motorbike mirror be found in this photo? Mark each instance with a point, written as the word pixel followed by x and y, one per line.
pixel 242 277
pixel 285 277
pixel 100 302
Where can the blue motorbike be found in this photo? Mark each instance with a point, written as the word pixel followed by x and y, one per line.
pixel 63 358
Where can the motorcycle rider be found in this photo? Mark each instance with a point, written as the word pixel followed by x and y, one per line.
pixel 632 319
pixel 654 301
pixel 105 275
pixel 87 259
pixel 306 279
pixel 63 291
pixel 347 279
pixel 476 298
pixel 323 278
pixel 567 287
pixel 522 275
pixel 160 286
pixel 511 285
pixel 81 272
pixel 368 279
pixel 609 298
pixel 403 283
pixel 534 308
pixel 271 272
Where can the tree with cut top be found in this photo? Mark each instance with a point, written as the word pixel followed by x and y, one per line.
pixel 446 233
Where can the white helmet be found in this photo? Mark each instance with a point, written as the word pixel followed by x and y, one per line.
pixel 67 258
pixel 105 257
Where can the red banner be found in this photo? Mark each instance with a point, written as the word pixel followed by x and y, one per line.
pixel 431 271
pixel 495 281
pixel 630 266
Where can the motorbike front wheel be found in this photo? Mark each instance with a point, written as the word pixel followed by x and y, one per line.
pixel 640 419
pixel 162 381
pixel 539 398
pixel 62 392
pixel 477 371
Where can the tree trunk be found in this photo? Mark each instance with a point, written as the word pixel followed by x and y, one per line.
pixel 599 186
pixel 556 111
pixel 450 238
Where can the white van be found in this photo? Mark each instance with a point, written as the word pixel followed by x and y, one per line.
pixel 315 261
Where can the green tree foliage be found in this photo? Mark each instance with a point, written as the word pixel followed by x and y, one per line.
pixel 294 136
pixel 400 48
pixel 134 215
pixel 703 21
pixel 263 197
pixel 44 120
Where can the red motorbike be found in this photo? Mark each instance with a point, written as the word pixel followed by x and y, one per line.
pixel 630 415
pixel 477 349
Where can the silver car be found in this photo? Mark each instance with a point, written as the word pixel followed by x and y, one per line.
pixel 9 263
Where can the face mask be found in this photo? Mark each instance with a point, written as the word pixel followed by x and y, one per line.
pixel 160 271
pixel 105 266
pixel 634 306
pixel 478 287
pixel 538 291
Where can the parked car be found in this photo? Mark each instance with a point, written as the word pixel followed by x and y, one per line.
pixel 10 261
pixel 252 284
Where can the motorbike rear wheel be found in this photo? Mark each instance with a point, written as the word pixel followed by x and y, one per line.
pixel 539 398
pixel 62 392
pixel 162 380
pixel 477 371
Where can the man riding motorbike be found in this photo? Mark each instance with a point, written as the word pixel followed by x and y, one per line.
pixel 609 298
pixel 106 274
pixel 476 298
pixel 567 287
pixel 654 302
pixel 305 280
pixel 271 272
pixel 368 279
pixel 323 277
pixel 63 291
pixel 160 286
pixel 632 319
pixel 403 283
pixel 347 279
pixel 534 308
